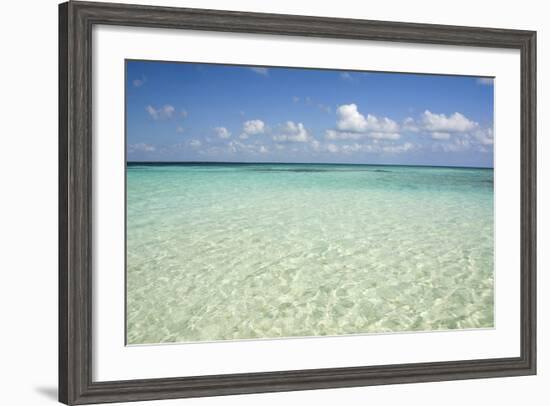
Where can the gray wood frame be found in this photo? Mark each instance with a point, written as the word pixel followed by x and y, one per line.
pixel 76 20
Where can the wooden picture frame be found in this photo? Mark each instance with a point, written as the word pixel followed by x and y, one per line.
pixel 76 20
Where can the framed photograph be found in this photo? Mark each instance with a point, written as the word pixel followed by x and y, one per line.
pixel 256 202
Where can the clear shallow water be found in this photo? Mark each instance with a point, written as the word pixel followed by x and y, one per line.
pixel 242 251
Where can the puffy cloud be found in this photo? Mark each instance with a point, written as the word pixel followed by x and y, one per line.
pixel 484 137
pixel 440 126
pixel 252 127
pixel 437 135
pixel 409 124
pixel 454 132
pixel 456 122
pixel 260 71
pixel 350 119
pixel 222 132
pixel 292 132
pixel 352 125
pixel 195 143
pixel 161 113
pixel 385 136
pixel 451 133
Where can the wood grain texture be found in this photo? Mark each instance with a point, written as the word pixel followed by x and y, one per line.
pixel 63 247
pixel 76 20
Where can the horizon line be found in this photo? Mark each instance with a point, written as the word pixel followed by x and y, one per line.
pixel 299 163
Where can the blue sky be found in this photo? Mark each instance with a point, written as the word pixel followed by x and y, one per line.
pixel 205 112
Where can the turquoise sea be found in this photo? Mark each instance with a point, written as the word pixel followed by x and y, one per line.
pixel 246 251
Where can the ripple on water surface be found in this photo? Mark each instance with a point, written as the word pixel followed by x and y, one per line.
pixel 219 252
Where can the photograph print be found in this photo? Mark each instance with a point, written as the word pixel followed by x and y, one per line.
pixel 272 202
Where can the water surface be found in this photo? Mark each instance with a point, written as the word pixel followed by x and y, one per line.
pixel 244 251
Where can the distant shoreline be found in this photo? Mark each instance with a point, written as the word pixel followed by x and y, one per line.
pixel 182 163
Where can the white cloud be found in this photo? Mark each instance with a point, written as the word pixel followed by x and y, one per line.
pixel 165 112
pixel 142 147
pixel 292 132
pixel 260 71
pixel 437 135
pixel 485 81
pixel 410 125
pixel 350 119
pixel 195 143
pixel 484 137
pixel 385 136
pixel 453 133
pixel 183 113
pixel 440 126
pixel 263 149
pixel 352 125
pixel 456 122
pixel 252 127
pixel 222 132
